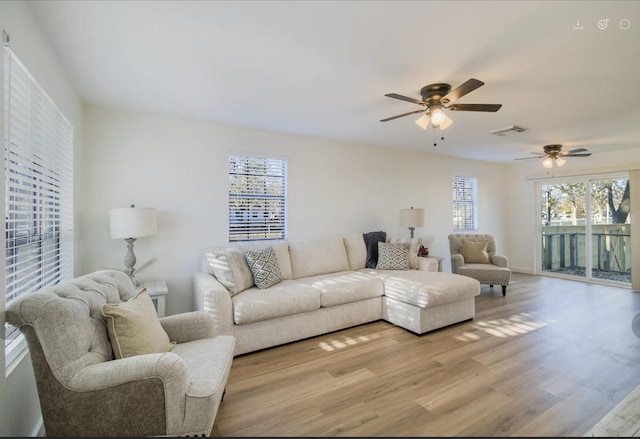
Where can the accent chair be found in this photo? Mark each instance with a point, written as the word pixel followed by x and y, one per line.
pixel 474 255
pixel 89 385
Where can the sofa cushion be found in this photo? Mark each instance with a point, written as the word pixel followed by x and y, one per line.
pixel 230 267
pixel 487 273
pixel 426 288
pixel 209 359
pixel 344 287
pixel 393 256
pixel 475 252
pixel 264 266
pixel 311 257
pixel 414 246
pixel 356 250
pixel 134 328
pixel 287 297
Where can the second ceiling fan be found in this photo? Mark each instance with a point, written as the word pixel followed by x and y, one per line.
pixel 438 97
pixel 554 154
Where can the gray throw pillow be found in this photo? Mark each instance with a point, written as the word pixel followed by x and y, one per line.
pixel 264 266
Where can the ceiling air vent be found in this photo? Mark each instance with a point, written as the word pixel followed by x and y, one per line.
pixel 511 129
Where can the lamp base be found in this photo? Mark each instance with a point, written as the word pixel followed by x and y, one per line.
pixel 411 229
pixel 130 260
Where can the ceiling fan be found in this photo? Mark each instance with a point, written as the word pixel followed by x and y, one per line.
pixel 553 153
pixel 438 97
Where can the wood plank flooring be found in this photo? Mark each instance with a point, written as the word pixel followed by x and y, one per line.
pixel 551 358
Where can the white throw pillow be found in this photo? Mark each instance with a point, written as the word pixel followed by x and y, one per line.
pixel 231 269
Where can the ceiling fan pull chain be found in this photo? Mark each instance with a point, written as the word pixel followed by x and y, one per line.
pixel 434 137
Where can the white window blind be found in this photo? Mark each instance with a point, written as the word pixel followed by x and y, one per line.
pixel 257 198
pixel 38 152
pixel 464 204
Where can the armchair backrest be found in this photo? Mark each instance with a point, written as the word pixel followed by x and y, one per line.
pixel 455 242
pixel 66 322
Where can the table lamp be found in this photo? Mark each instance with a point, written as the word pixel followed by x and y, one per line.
pixel 130 223
pixel 412 218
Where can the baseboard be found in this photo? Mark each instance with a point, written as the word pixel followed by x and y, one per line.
pixel 521 270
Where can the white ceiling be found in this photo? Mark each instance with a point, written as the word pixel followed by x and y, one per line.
pixel 322 68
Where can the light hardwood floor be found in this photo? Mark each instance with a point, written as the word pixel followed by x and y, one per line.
pixel 550 359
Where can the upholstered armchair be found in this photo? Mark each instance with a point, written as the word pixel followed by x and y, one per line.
pixel 474 255
pixel 90 386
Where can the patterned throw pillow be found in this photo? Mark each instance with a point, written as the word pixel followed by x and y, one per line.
pixel 393 256
pixel 264 266
pixel 414 245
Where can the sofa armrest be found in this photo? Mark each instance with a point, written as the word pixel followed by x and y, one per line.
pixel 457 261
pixel 214 299
pixel 500 260
pixel 168 367
pixel 427 264
pixel 189 326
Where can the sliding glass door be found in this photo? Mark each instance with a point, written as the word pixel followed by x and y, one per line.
pixel 585 229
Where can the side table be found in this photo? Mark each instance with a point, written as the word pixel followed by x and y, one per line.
pixel 157 290
pixel 438 258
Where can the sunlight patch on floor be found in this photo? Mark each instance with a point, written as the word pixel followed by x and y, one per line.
pixel 344 342
pixel 515 325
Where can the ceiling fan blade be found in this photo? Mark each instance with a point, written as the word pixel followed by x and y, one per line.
pixel 400 115
pixel 475 107
pixel 577 150
pixel 462 90
pixel 405 98
pixel 527 158
pixel 576 155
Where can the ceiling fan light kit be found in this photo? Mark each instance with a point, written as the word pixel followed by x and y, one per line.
pixel 435 117
pixel 438 97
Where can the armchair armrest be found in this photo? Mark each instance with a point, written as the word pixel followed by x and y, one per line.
pixel 457 261
pixel 168 367
pixel 500 260
pixel 189 326
pixel 214 299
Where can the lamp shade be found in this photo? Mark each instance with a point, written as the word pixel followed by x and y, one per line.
pixel 132 222
pixel 412 217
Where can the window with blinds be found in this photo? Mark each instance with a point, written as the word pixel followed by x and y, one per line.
pixel 464 204
pixel 257 198
pixel 38 167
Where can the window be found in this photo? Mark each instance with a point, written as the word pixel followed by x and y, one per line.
pixel 464 204
pixel 38 166
pixel 257 198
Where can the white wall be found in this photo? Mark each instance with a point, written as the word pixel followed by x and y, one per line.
pixel 179 167
pixel 19 407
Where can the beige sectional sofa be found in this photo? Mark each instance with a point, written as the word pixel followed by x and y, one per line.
pixel 325 286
